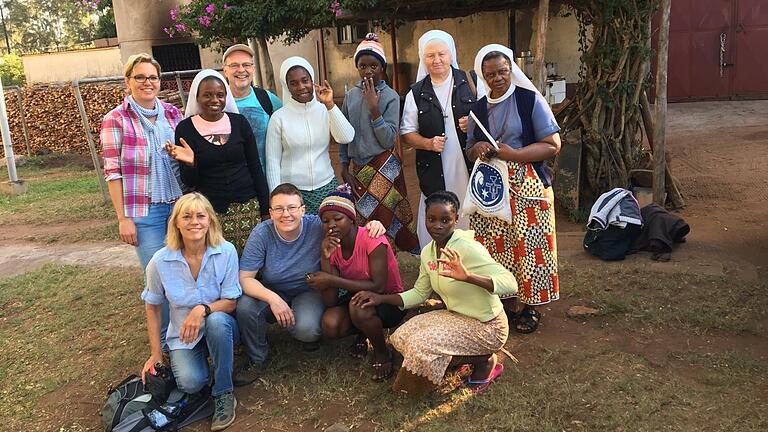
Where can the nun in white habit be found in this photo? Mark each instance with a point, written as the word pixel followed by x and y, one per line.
pixel 299 134
pixel 433 108
pixel 521 122
pixel 219 158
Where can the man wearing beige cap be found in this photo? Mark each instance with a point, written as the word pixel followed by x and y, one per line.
pixel 256 104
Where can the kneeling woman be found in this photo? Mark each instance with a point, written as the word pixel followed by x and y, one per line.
pixel 352 261
pixel 473 326
pixel 198 273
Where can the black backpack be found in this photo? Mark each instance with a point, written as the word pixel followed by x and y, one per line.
pixel 178 411
pixel 264 100
pixel 123 400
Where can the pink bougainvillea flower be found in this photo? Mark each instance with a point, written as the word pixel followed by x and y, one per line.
pixel 174 13
pixel 180 27
pixel 226 6
pixel 168 31
pixel 204 21
pixel 210 8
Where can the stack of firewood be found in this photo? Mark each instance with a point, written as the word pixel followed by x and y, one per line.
pixel 53 119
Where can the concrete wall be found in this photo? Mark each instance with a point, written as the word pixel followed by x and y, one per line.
pixel 562 40
pixel 72 65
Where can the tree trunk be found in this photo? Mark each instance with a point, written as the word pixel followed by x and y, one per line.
pixel 267 70
pixel 660 123
pixel 540 47
pixel 258 77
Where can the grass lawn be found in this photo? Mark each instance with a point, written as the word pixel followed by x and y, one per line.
pixel 62 189
pixel 67 333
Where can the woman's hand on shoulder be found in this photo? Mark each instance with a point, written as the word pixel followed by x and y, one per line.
pixel 375 229
pixel 452 265
pixel 183 153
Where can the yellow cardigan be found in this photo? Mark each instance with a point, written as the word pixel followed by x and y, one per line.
pixel 462 297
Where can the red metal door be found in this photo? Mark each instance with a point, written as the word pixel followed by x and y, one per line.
pixel 695 32
pixel 751 48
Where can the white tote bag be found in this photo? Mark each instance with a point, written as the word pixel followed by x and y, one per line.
pixel 488 190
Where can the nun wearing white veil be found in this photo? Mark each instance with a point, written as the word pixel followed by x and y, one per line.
pixel 436 103
pixel 299 134
pixel 521 122
pixel 219 157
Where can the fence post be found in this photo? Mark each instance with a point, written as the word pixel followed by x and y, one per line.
pixel 181 91
pixel 23 121
pixel 91 141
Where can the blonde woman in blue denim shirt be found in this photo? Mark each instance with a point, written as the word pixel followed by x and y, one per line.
pixel 197 272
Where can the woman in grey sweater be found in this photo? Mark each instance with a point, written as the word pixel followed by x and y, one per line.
pixel 371 163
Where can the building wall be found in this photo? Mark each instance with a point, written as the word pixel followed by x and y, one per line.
pixel 71 65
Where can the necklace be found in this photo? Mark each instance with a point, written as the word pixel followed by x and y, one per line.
pixel 444 106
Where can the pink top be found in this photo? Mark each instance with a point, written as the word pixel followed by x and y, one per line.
pixel 217 132
pixel 356 267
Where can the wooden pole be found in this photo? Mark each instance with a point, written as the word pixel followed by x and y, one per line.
pixel 660 123
pixel 91 141
pixel 539 50
pixel 395 78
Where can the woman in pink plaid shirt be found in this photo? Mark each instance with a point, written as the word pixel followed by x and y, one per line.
pixel 143 180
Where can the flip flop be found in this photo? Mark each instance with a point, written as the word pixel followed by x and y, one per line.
pixel 378 366
pixel 359 349
pixel 480 386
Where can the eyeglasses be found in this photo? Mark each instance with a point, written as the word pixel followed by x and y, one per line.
pixel 501 72
pixel 141 79
pixel 238 65
pixel 290 209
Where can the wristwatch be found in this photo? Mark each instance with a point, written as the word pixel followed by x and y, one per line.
pixel 207 310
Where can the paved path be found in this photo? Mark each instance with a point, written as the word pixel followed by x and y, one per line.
pixel 23 257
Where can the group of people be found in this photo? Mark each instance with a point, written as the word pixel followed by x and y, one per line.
pixel 239 221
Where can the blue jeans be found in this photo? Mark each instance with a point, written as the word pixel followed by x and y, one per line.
pixel 190 366
pixel 253 317
pixel 150 233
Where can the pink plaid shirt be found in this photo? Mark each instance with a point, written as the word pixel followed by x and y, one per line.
pixel 126 155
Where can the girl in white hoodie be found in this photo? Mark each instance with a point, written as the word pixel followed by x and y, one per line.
pixel 299 134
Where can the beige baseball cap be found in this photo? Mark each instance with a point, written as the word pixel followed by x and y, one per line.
pixel 237 47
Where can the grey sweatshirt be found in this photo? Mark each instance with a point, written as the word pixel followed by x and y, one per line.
pixel 371 137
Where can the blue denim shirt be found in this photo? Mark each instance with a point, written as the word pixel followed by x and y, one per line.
pixel 169 276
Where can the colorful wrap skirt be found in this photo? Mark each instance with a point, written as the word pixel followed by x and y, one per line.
pixel 527 246
pixel 428 342
pixel 238 222
pixel 313 199
pixel 380 194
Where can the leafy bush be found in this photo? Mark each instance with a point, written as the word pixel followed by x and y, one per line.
pixel 11 70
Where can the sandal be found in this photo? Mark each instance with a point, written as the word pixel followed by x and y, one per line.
pixel 527 321
pixel 359 348
pixel 480 386
pixel 383 370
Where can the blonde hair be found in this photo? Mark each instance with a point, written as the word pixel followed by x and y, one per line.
pixel 194 201
pixel 139 58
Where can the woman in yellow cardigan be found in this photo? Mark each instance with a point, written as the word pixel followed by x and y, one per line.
pixel 473 327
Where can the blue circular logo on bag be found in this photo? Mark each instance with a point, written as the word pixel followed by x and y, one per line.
pixel 487 185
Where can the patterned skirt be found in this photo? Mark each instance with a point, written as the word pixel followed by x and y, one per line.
pixel 238 222
pixel 313 199
pixel 380 194
pixel 428 342
pixel 528 246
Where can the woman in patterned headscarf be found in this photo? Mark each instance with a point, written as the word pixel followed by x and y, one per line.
pixel 520 121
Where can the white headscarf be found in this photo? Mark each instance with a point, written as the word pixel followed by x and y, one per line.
pixel 287 64
pixel 429 37
pixel 517 76
pixel 193 108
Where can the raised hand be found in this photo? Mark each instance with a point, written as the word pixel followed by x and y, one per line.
pixel 371 97
pixel 329 244
pixel 452 265
pixel 183 153
pixel 325 94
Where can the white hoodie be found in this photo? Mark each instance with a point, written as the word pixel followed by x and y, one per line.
pixel 298 137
